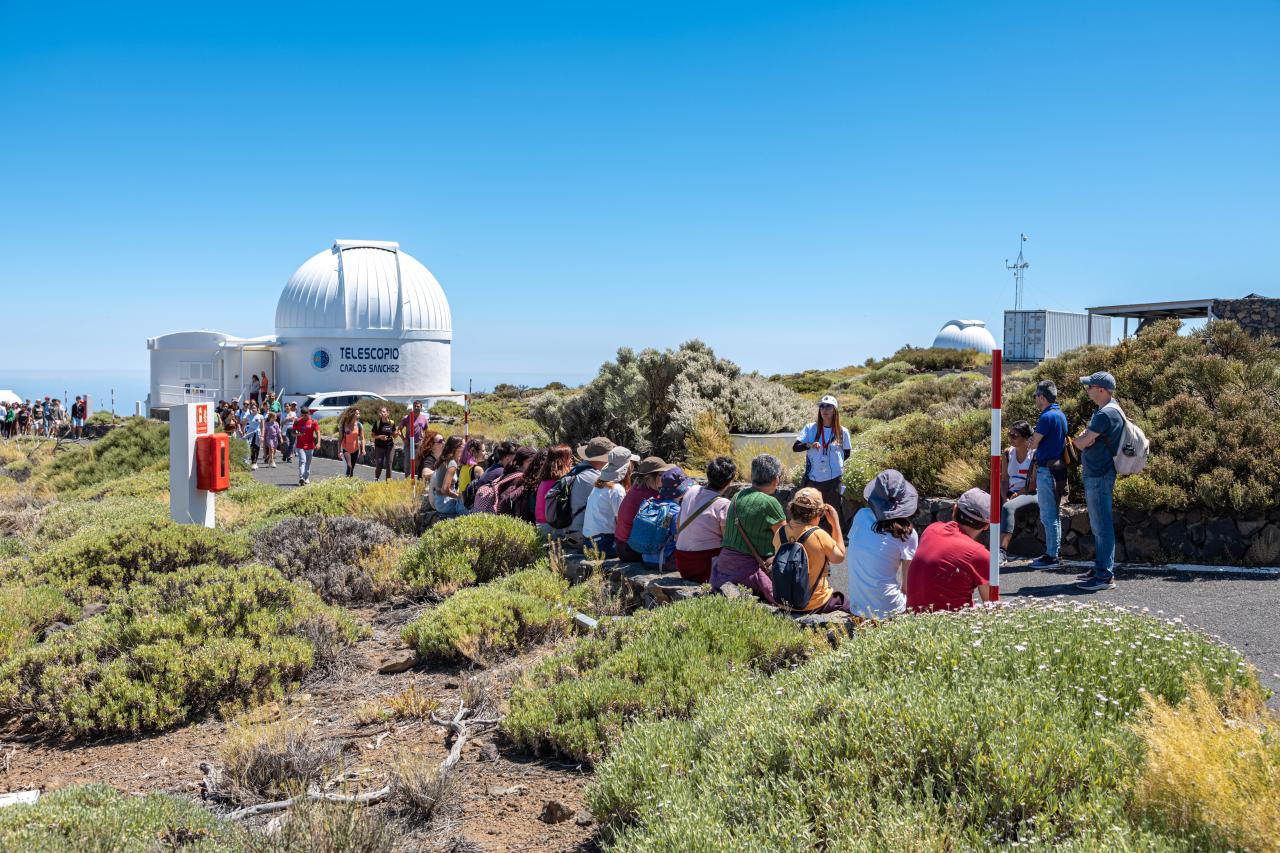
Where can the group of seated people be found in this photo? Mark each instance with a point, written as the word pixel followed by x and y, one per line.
pixel 603 498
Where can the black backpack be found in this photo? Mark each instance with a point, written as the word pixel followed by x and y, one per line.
pixel 558 504
pixel 790 572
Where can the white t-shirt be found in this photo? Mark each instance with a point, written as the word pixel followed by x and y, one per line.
pixel 1018 470
pixel 602 509
pixel 826 464
pixel 873 568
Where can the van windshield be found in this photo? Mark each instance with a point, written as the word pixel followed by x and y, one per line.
pixel 308 403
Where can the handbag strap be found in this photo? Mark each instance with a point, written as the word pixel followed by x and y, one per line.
pixel 733 507
pixel 698 512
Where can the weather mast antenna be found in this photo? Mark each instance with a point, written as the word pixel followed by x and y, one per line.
pixel 1019 270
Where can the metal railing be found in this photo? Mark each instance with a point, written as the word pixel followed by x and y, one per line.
pixel 174 395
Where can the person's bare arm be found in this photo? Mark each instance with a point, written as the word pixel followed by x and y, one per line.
pixel 904 569
pixel 984 592
pixel 1035 440
pixel 837 553
pixel 1086 439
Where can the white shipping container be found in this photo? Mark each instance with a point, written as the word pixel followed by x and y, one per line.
pixel 1033 336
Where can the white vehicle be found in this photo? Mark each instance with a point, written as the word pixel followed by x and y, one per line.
pixel 330 404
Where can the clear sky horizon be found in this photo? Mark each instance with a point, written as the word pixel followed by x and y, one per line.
pixel 799 185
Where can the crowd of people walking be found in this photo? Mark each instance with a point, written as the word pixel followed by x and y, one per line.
pixel 46 417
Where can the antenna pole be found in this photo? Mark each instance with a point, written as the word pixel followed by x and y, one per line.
pixel 1018 268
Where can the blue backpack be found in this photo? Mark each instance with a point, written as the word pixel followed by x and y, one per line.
pixel 790 572
pixel 653 531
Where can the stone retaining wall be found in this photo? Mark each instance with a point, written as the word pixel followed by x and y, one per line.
pixel 1257 315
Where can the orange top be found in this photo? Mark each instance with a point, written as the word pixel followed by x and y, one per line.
pixel 351 440
pixel 818 547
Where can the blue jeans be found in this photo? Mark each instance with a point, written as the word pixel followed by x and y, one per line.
pixel 1097 495
pixel 447 507
pixel 1047 499
pixel 605 544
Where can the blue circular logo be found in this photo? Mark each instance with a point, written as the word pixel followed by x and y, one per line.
pixel 320 358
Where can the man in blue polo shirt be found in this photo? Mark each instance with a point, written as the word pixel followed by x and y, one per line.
pixel 1048 442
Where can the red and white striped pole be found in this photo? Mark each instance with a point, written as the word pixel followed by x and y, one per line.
pixel 997 457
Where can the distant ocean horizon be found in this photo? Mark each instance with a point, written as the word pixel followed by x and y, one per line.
pixel 129 386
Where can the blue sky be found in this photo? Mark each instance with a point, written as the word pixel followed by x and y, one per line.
pixel 800 184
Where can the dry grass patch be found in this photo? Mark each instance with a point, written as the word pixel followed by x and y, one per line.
pixel 273 760
pixel 1213 774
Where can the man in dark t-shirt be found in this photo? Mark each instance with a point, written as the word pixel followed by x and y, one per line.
pixel 1047 443
pixel 1097 447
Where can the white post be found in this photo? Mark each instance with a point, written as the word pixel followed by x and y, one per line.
pixel 997 481
pixel 187 504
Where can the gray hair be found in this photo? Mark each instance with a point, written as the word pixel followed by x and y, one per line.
pixel 765 468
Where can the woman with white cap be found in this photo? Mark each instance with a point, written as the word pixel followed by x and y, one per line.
pixel 601 516
pixel 826 445
pixel 882 542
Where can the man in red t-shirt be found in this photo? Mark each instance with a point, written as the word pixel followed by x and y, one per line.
pixel 949 564
pixel 308 437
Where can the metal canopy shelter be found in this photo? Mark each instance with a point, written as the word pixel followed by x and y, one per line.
pixel 1145 312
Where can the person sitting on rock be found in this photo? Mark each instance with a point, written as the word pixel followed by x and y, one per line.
pixel 647 482
pixel 950 564
pixel 753 516
pixel 601 516
pixel 701 527
pixel 1018 478
pixel 882 543
pixel 593 456
pixel 807 510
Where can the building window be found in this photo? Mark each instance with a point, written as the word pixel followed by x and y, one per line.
pixel 196 370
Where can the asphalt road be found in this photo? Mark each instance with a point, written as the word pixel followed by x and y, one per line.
pixel 1244 612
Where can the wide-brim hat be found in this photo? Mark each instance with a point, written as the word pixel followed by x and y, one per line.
pixel 674 484
pixel 596 450
pixel 890 496
pixel 616 464
pixel 652 465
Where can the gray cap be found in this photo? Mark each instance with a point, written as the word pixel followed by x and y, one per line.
pixel 890 496
pixel 1047 389
pixel 1101 379
pixel 975 504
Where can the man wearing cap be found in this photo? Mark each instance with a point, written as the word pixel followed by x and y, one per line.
pixel 592 456
pixel 1047 443
pixel 648 480
pixel 950 564
pixel 1098 470
pixel 826 445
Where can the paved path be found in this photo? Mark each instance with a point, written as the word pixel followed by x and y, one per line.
pixel 1242 611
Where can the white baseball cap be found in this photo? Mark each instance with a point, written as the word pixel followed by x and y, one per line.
pixel 829 401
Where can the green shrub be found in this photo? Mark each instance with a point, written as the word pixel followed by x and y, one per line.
pixel 194 639
pixel 648 400
pixel 951 731
pixel 934 396
pixel 99 818
pixel 328 497
pixel 65 519
pixel 919 446
pixel 1141 492
pixel 391 502
pixel 940 358
pixel 653 665
pixel 512 613
pixel 708 439
pixel 101 559
pixel 473 548
pixel 446 409
pixel 148 484
pixel 326 553
pixel 25 611
pixel 131 449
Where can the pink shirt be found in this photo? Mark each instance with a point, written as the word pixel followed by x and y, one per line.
pixel 540 503
pixel 707 530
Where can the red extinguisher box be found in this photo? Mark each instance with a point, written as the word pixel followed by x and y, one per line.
pixel 213 462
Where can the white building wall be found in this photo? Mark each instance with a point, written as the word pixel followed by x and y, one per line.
pixel 391 367
pixel 171 353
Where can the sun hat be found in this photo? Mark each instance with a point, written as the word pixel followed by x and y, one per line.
pixel 829 400
pixel 1101 379
pixel 807 502
pixel 975 504
pixel 652 465
pixel 890 496
pixel 616 465
pixel 596 450
pixel 674 484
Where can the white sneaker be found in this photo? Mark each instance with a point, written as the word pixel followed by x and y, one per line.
pixel 253 467
pixel 273 464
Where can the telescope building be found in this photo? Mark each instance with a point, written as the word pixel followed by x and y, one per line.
pixel 360 316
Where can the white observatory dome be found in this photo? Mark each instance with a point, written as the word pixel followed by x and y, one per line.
pixel 365 288
pixel 965 334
